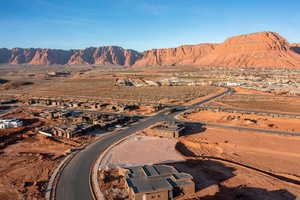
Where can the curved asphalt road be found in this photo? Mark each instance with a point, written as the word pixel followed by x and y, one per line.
pixel 74 180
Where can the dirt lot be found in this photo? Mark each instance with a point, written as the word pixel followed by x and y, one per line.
pixel 260 103
pixel 241 165
pixel 245 120
pixel 105 89
pixel 133 151
pixel 96 82
pixel 27 158
pixel 196 100
pixel 240 90
pixel 225 164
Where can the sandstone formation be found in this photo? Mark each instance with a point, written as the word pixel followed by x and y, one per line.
pixel 183 55
pixel 104 55
pixel 109 55
pixel 264 49
pixel 5 55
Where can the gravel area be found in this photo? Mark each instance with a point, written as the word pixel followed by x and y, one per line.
pixel 139 150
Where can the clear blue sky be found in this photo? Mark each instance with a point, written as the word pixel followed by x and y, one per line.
pixel 141 24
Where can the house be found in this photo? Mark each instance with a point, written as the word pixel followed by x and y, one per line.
pixel 157 182
pixel 10 123
pixel 168 130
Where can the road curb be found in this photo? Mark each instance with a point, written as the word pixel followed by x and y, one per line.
pixel 51 187
pixel 94 183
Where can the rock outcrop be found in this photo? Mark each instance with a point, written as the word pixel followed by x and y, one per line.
pixel 109 55
pixel 104 56
pixel 183 55
pixel 5 55
pixel 264 49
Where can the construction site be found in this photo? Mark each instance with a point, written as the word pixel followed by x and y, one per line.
pixel 178 139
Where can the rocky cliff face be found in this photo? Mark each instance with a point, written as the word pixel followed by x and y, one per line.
pixel 264 49
pixel 183 55
pixel 19 56
pixel 5 55
pixel 110 55
pixel 105 56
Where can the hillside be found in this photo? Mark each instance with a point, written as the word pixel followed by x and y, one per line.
pixel 110 55
pixel 183 55
pixel 263 49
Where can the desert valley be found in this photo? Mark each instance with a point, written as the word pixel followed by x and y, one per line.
pixel 205 121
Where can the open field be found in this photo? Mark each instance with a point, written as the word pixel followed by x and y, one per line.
pixel 225 164
pixel 268 103
pixel 255 149
pixel 254 165
pixel 97 83
pixel 246 120
pixel 132 152
pixel 104 89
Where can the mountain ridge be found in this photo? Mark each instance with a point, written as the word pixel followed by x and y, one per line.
pixel 261 49
pixel 106 55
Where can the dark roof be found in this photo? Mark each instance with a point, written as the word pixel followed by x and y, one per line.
pixel 151 170
pixel 149 178
pixel 165 170
pixel 142 184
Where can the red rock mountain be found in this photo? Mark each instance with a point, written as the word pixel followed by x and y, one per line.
pixel 110 55
pixel 263 49
pixel 266 49
pixel 104 56
pixel 183 55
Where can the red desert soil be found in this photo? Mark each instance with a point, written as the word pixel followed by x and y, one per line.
pixel 254 165
pixel 245 120
pixel 26 166
pixel 260 103
pixel 240 90
pixel 27 159
pixel 205 97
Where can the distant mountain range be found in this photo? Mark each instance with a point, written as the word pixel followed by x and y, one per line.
pixel 263 49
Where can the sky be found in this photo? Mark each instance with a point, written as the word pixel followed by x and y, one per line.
pixel 141 24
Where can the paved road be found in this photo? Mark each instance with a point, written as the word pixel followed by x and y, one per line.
pixel 74 182
pixel 75 178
